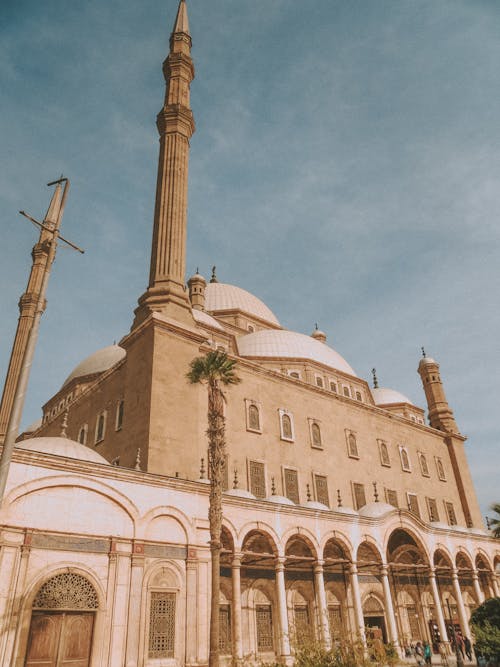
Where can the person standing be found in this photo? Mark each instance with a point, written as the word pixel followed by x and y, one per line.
pixel 427 653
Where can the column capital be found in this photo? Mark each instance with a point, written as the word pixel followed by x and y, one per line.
pixel 454 573
pixel 236 560
pixel 475 574
pixel 279 564
pixel 318 566
pixel 353 568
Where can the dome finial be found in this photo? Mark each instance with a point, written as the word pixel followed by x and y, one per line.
pixel 339 498
pixel 375 380
pixel 138 460
pixel 213 279
pixel 375 492
pixel 202 468
pixel 423 352
pixel 64 424
pixel 235 481
pixel 308 492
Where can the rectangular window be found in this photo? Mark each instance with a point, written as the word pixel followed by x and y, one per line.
pixel 291 485
pixel 413 504
pixel 450 513
pixel 391 497
pixel 411 611
pixel 162 625
pixel 321 486
pixel 302 628
pixel 264 623
pixel 358 492
pixel 433 509
pixel 335 621
pixel 225 629
pixel 256 473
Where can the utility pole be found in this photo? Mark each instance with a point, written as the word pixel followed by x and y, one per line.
pixel 51 229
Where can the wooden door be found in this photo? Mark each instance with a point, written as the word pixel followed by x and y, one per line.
pixel 61 639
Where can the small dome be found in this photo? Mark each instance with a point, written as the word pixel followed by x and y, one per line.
pixel 98 362
pixel 314 505
pixel 280 500
pixel 345 510
pixel 385 396
pixel 197 277
pixel 220 297
pixel 375 510
pixel 291 345
pixel 204 318
pixel 317 334
pixel 239 493
pixel 70 449
pixel 426 360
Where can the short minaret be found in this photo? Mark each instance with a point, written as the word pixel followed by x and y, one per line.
pixel 166 292
pixel 440 414
pixel 27 307
pixel 197 285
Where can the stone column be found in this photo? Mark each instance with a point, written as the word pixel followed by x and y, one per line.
pixel 191 607
pixel 236 607
pixel 134 605
pixel 319 585
pixel 494 583
pixel 356 599
pixel 120 605
pixel 477 588
pixel 464 621
pixel 9 567
pixel 437 606
pixel 282 607
pixel 389 607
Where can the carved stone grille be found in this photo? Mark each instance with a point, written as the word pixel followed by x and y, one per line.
pixel 384 455
pixel 433 509
pixel 359 495
pixel 322 490
pixel 302 627
pixel 292 485
pixel 335 621
pixel 392 497
pixel 450 511
pixel 225 629
pixel 257 479
pixel 162 625
pixel 411 612
pixel 66 591
pixel 264 622
pixel 413 504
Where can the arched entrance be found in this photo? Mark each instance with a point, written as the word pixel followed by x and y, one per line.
pixel 336 566
pixel 369 567
pixel 300 588
pixel 62 622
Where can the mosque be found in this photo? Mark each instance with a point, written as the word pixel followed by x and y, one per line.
pixel 347 510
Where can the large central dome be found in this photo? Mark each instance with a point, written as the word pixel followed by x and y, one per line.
pixel 220 297
pixel 291 345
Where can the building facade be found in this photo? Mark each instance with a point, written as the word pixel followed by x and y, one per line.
pixel 345 512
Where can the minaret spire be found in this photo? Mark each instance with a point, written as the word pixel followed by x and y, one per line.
pixel 166 292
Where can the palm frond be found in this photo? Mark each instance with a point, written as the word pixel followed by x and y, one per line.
pixel 215 366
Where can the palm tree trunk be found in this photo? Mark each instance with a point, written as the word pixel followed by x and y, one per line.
pixel 216 451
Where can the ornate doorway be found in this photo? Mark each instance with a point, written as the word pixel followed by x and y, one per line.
pixel 62 623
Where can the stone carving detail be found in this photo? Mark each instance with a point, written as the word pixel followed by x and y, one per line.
pixel 66 591
pixel 162 625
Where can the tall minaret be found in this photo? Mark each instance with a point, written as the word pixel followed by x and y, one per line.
pixel 440 413
pixel 166 292
pixel 27 307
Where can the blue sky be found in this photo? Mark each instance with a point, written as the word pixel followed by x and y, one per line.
pixel 345 169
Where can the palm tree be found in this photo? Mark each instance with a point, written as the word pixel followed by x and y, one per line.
pixel 215 370
pixel 495 522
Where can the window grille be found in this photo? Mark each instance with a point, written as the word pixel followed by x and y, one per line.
pixel 411 612
pixel 321 484
pixel 292 485
pixel 384 454
pixel 225 629
pixel 433 509
pixel 413 504
pixel 450 513
pixel 257 479
pixel 423 466
pixel 286 427
pixel 391 497
pixel 264 623
pixel 316 435
pixel 335 621
pixel 440 470
pixel 253 418
pixel 352 446
pixel 359 495
pixel 162 625
pixel 66 591
pixel 302 626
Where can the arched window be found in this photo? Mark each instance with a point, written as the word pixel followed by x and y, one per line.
pixel 440 470
pixel 352 446
pixel 316 435
pixel 405 461
pixel 333 386
pixel 253 417
pixel 294 374
pixel 82 434
pixel 319 381
pixel 100 429
pixel 347 392
pixel 286 425
pixel 358 396
pixel 423 466
pixel 119 414
pixel 384 454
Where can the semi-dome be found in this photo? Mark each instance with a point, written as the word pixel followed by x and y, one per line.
pixel 385 396
pixel 220 297
pixel 279 500
pixel 61 447
pixel 98 362
pixel 315 505
pixel 375 510
pixel 291 345
pixel 204 318
pixel 239 493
